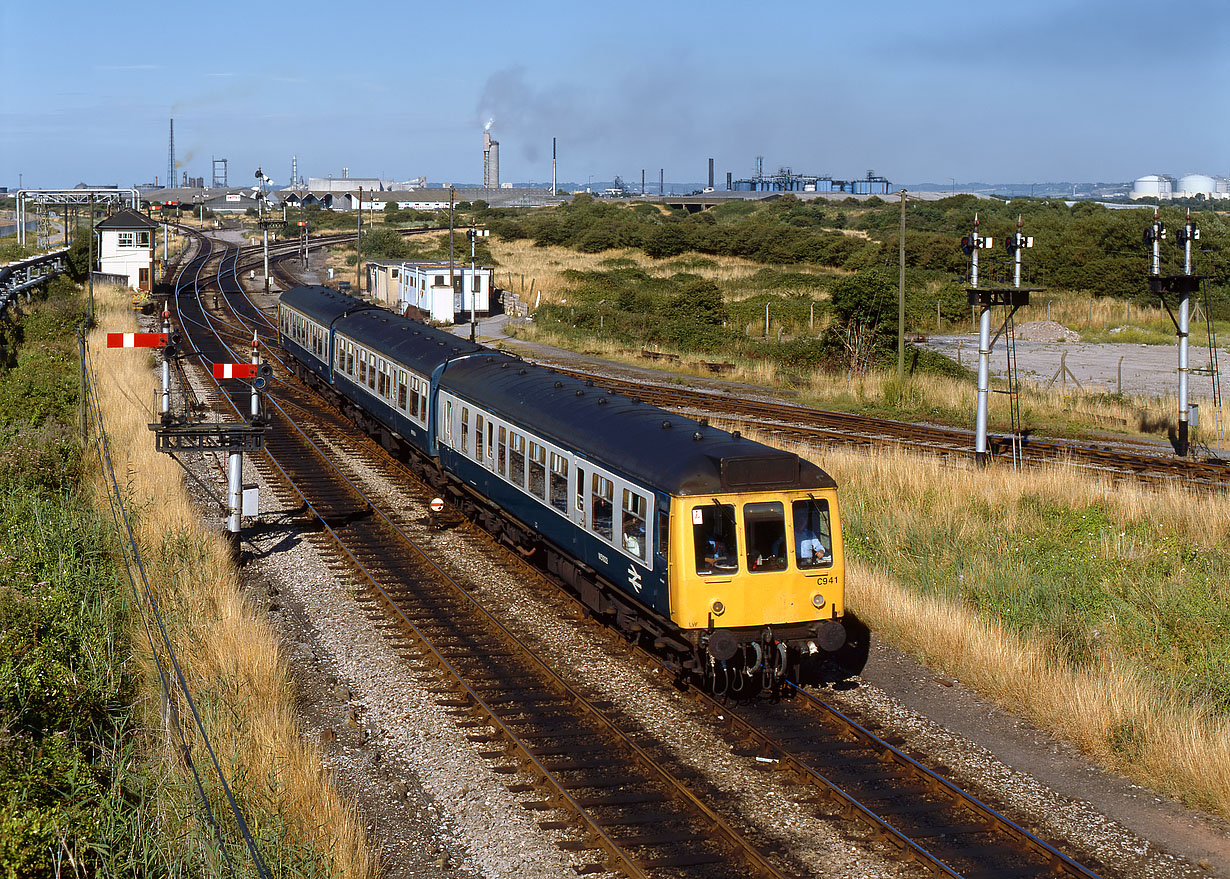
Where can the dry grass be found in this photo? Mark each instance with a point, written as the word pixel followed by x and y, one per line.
pixel 1114 703
pixel 542 268
pixel 229 653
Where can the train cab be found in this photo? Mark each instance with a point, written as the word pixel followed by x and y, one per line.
pixel 756 566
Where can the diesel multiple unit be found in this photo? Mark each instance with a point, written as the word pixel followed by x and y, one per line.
pixel 724 552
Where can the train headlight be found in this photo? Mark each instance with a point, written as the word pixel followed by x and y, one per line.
pixel 718 608
pixel 817 600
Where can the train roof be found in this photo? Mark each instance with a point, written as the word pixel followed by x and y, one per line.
pixel 411 343
pixel 663 449
pixel 322 304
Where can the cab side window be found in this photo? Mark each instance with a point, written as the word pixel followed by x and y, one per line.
pixel 813 533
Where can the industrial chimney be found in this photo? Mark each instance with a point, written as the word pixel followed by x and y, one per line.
pixel 491 162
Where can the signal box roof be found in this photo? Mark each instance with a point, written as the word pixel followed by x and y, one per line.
pixel 126 218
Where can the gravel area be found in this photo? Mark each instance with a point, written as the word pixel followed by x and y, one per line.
pixel 1110 367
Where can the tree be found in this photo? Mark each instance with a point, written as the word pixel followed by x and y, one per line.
pixel 861 301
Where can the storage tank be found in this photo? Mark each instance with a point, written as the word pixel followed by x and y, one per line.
pixel 1191 185
pixel 1151 186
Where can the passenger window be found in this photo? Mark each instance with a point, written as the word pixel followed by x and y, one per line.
pixel 362 369
pixel 664 531
pixel 765 532
pixel 465 430
pixel 603 493
pixel 559 482
pixel 516 458
pixel 633 528
pixel 499 455
pixel 448 422
pixel 350 359
pixel 715 539
pixel 490 437
pixel 371 373
pixel 813 542
pixel 538 470
pixel 401 392
pixel 478 438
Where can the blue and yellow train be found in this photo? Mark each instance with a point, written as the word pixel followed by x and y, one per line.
pixel 726 553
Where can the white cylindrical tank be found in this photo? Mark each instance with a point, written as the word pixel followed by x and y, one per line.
pixel 1191 185
pixel 1151 186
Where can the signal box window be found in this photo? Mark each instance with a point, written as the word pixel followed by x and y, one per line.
pixel 600 513
pixel 813 540
pixel 715 539
pixel 765 526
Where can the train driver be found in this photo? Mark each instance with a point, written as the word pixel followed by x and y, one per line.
pixel 809 549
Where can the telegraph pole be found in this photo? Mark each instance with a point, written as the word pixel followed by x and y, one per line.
pixel 901 298
pixel 452 283
pixel 358 267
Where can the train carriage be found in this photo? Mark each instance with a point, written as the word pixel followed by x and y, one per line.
pixel 726 551
pixel 688 525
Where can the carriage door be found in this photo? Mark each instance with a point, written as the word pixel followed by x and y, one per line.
pixel 578 504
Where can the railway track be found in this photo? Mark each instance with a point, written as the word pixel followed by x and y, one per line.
pixel 815 426
pixel 637 812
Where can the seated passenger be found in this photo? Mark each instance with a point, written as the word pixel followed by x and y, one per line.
pixel 634 535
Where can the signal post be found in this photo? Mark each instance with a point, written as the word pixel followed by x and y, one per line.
pixel 177 433
pixel 1183 286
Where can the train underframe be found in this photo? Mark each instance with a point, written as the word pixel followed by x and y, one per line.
pixel 737 663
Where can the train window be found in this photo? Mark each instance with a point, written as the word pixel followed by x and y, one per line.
pixel 478 438
pixel 465 429
pixel 516 458
pixel 600 513
pixel 715 539
pixel 350 358
pixel 559 482
pixel 401 391
pixel 371 373
pixel 448 422
pixel 380 381
pixel 765 533
pixel 490 439
pixel 499 455
pixel 362 369
pixel 581 494
pixel 633 529
pixel 414 399
pixel 813 535
pixel 664 532
pixel 538 470
pixel 423 407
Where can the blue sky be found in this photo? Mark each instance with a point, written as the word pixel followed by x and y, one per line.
pixel 1104 90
